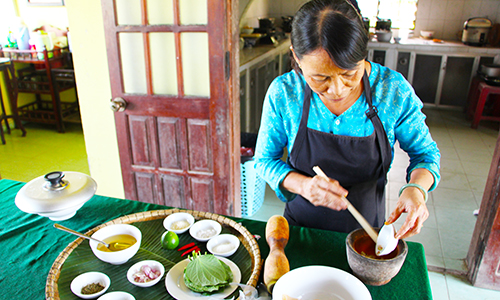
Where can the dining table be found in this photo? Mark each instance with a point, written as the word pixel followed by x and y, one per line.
pixel 29 245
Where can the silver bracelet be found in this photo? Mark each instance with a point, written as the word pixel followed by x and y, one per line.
pixel 418 186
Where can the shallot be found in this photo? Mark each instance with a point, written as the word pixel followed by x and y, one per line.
pixel 145 274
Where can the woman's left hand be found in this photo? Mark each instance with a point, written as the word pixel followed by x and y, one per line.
pixel 412 202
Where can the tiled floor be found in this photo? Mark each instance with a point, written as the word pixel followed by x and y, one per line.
pixel 466 158
pixel 41 151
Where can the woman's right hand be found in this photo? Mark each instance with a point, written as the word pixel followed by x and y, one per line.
pixel 325 192
pixel 318 190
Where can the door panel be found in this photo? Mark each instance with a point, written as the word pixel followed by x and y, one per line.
pixel 200 153
pixel 177 134
pixel 169 136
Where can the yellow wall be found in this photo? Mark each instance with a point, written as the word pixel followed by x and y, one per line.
pixel 94 92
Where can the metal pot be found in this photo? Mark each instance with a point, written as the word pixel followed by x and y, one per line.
pixel 266 22
pixel 491 70
pixel 287 23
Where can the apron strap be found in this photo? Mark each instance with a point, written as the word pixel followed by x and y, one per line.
pixel 381 136
pixel 302 131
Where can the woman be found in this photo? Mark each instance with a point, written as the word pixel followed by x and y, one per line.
pixel 344 114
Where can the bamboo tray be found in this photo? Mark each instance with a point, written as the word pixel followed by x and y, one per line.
pixel 75 260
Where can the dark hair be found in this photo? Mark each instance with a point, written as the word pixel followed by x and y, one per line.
pixel 332 25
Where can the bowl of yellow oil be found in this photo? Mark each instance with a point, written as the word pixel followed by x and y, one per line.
pixel 124 241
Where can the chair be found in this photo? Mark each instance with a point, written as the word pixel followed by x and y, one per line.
pixel 478 94
pixel 49 73
pixel 7 69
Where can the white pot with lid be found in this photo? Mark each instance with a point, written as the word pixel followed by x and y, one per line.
pixel 54 197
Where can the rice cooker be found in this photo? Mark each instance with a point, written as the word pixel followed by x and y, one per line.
pixel 476 31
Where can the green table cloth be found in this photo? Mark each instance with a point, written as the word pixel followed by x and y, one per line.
pixel 29 245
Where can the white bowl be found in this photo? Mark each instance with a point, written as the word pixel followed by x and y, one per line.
pixel 56 195
pixel 63 214
pixel 155 265
pixel 223 245
pixel 427 34
pixel 116 257
pixel 178 217
pixel 246 30
pixel 384 36
pixel 87 278
pixel 204 230
pixel 320 282
pixel 117 296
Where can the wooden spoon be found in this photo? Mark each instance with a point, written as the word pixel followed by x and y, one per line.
pixel 355 213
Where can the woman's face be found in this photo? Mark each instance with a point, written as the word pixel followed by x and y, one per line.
pixel 327 80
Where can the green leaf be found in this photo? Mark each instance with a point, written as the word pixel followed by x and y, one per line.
pixel 206 273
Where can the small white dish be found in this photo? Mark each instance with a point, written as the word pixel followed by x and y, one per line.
pixel 87 278
pixel 223 245
pixel 170 222
pixel 117 296
pixel 204 230
pixel 153 264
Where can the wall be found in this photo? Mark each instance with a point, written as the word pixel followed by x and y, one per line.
pixel 445 17
pixel 36 16
pixel 94 91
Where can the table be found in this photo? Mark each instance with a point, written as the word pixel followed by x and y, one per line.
pixel 29 245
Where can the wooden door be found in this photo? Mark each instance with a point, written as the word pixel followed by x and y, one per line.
pixel 171 62
pixel 483 258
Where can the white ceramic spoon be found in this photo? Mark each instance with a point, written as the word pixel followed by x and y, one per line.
pixel 386 242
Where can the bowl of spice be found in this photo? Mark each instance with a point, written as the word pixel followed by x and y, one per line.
pixel 223 245
pixel 146 273
pixel 178 222
pixel 90 285
pixel 204 230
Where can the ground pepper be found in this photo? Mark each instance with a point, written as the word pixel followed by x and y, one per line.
pixel 92 288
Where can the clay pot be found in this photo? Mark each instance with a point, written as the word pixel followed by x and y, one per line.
pixel 370 270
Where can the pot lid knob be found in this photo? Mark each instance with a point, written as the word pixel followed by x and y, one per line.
pixel 54 181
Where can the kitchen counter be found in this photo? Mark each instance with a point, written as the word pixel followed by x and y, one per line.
pixel 421 44
pixel 247 55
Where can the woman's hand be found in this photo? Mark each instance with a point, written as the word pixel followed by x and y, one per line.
pixel 318 190
pixel 412 202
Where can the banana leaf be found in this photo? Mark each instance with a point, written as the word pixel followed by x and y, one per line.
pixel 82 260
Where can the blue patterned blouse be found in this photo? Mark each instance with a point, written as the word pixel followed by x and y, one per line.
pixel 398 106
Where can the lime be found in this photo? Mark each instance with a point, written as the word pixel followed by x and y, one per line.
pixel 169 240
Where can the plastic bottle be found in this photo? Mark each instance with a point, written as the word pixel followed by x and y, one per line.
pixel 12 40
pixel 23 38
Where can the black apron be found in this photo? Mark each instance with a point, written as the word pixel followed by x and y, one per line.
pixel 360 164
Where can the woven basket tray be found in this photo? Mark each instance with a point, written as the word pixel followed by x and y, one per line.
pixel 246 238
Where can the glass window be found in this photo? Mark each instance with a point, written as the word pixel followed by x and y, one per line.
pixel 401 12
